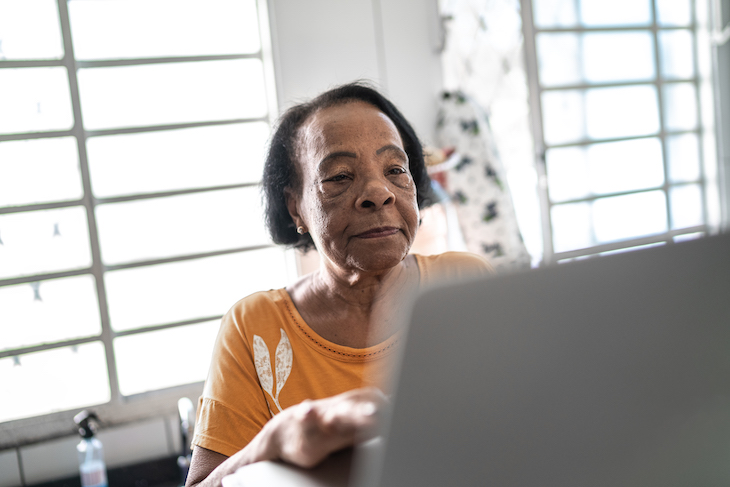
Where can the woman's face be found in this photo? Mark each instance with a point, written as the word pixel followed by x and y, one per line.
pixel 357 197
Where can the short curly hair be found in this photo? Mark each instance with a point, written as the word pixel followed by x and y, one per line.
pixel 280 171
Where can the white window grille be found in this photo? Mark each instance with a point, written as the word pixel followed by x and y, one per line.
pixel 131 146
pixel 621 103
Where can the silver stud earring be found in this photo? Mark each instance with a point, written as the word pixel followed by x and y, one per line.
pixel 300 230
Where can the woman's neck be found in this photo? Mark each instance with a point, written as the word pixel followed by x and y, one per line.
pixel 355 309
pixel 358 288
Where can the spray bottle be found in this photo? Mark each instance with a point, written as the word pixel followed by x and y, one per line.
pixel 91 453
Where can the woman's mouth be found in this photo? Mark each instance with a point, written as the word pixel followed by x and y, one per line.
pixel 378 232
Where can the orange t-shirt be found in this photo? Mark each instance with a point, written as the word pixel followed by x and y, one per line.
pixel 266 358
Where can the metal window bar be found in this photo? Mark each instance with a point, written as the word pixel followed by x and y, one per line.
pixel 535 109
pixel 118 199
pixel 627 28
pixel 698 100
pixel 613 84
pixel 628 244
pixel 130 130
pixel 128 265
pixel 595 197
pixel 97 269
pixel 79 341
pixel 105 63
pixel 535 100
pixel 660 100
pixel 585 142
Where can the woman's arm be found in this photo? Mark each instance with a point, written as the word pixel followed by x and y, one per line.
pixel 304 434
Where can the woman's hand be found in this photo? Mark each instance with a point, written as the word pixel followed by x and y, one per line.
pixel 304 434
pixel 307 433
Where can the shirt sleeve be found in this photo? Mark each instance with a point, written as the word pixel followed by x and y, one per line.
pixel 232 409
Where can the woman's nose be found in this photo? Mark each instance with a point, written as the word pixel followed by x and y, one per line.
pixel 375 194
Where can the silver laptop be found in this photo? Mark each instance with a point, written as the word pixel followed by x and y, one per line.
pixel 606 372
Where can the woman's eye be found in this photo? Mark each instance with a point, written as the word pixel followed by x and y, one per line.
pixel 338 178
pixel 398 170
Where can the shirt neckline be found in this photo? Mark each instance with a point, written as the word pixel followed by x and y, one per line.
pixel 342 352
pixel 331 349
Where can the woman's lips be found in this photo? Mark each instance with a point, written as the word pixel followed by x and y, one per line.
pixel 379 232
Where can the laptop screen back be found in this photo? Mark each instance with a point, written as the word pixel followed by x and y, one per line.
pixel 605 372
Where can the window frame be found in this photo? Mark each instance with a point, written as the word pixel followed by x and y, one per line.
pixel 162 402
pixel 701 82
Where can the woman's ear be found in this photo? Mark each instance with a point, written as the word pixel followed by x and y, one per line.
pixel 292 205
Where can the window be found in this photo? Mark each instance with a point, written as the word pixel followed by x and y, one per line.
pixel 621 101
pixel 131 146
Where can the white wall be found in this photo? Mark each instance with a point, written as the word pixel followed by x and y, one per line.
pixel 318 44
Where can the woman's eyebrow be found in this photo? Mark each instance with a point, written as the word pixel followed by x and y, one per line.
pixel 391 147
pixel 334 155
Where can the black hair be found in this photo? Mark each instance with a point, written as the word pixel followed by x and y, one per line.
pixel 280 170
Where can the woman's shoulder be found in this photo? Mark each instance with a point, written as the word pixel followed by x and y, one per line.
pixel 258 301
pixel 453 265
pixel 256 311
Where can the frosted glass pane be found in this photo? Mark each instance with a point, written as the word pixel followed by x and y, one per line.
pixel 625 166
pixel 177 159
pixel 30 30
pixel 48 312
pixel 170 93
pixel 677 55
pixel 680 106
pixel 554 13
pixel 567 58
pixel 44 241
pixel 600 113
pixel 53 380
pixel 631 216
pixel 611 219
pixel 674 12
pixel 567 172
pixel 559 59
pixel 625 56
pixel 164 358
pixel 612 167
pixel 621 112
pixel 192 289
pixel 686 204
pixel 683 158
pixel 34 100
pixel 571 225
pixel 39 171
pixel 180 225
pixel 101 30
pixel 563 116
pixel 596 13
pixel 598 169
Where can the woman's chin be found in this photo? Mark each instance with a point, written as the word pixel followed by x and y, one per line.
pixel 378 260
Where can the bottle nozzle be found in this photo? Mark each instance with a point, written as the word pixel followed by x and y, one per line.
pixel 87 421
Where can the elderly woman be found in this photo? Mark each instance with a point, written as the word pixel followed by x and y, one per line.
pixel 296 372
